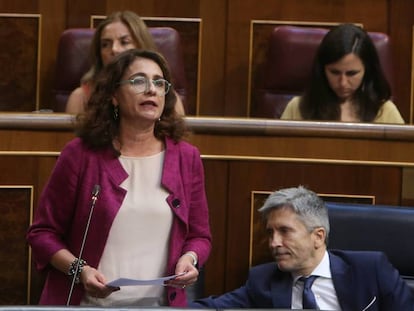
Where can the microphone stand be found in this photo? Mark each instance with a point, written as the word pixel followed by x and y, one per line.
pixel 95 193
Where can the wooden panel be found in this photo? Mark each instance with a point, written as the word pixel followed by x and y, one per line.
pixel 216 173
pixel 20 283
pixel 213 79
pixel 15 208
pixel 182 8
pixel 304 149
pixel 52 15
pixel 19 38
pixel 53 24
pixel 401 23
pixel 79 12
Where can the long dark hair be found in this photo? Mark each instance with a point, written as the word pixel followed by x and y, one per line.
pixel 98 127
pixel 320 102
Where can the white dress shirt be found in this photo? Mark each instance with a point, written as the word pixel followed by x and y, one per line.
pixel 322 288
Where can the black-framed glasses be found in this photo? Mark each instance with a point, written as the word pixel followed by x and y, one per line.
pixel 142 84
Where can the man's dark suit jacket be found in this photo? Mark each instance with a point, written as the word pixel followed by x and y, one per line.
pixel 362 280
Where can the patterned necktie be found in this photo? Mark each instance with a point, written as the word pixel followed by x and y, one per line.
pixel 308 298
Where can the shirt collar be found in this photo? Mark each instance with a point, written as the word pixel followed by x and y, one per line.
pixel 322 269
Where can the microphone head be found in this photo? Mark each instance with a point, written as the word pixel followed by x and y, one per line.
pixel 96 190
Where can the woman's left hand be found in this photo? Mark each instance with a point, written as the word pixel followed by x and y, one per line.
pixel 186 271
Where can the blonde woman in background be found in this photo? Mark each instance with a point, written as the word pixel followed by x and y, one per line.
pixel 120 31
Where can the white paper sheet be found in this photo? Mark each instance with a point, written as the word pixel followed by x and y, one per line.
pixel 133 282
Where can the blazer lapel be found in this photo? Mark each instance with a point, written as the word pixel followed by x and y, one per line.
pixel 170 170
pixel 281 290
pixel 172 179
pixel 343 282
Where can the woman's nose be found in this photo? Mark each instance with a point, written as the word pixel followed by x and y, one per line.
pixel 116 48
pixel 150 87
pixel 343 80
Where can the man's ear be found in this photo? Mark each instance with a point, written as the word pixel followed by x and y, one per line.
pixel 320 237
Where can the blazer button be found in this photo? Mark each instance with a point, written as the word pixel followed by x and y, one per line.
pixel 172 295
pixel 176 203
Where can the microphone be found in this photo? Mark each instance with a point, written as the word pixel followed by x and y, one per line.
pixel 95 193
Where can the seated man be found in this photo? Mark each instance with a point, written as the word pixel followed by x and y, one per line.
pixel 297 223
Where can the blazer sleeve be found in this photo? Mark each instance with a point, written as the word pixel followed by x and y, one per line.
pixel 238 298
pixel 54 213
pixel 199 236
pixel 255 293
pixel 395 293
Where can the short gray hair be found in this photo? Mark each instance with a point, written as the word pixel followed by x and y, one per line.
pixel 305 203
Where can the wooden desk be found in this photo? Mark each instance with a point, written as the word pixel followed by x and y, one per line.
pixel 242 158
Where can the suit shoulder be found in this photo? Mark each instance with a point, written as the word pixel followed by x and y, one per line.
pixel 359 257
pixel 78 146
pixel 74 146
pixel 182 145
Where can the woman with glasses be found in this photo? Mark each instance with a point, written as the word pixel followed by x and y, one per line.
pixel 120 31
pixel 126 198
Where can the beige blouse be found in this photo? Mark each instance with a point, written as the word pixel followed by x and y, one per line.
pixel 388 113
pixel 137 245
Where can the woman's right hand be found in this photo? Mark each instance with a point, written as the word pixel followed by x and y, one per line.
pixel 94 283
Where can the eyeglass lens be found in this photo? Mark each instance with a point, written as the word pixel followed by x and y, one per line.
pixel 142 84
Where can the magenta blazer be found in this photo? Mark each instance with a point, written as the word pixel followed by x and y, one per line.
pixel 64 206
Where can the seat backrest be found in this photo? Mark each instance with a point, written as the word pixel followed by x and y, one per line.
pixel 375 228
pixel 73 60
pixel 288 64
